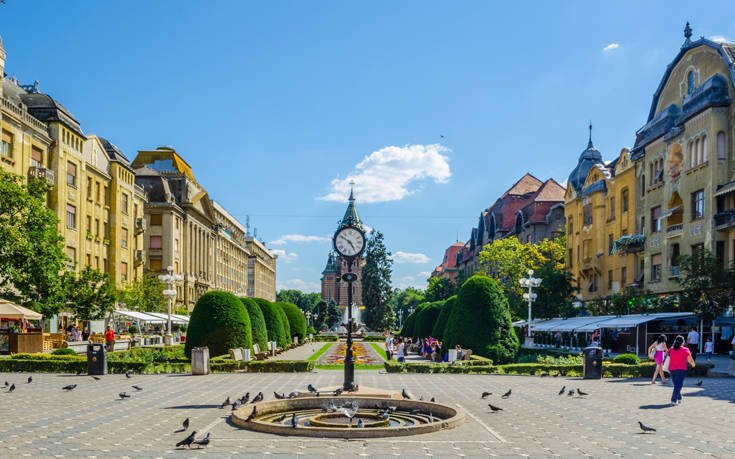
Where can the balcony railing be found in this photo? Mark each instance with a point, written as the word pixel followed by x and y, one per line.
pixel 725 219
pixel 673 229
pixel 41 173
pixel 23 115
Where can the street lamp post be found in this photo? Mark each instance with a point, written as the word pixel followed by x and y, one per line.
pixel 529 282
pixel 400 319
pixel 308 318
pixel 169 279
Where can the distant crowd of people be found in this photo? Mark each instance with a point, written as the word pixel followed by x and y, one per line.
pixel 429 348
pixel 76 335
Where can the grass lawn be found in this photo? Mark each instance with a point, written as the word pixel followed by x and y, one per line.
pixel 380 350
pixel 321 351
pixel 341 367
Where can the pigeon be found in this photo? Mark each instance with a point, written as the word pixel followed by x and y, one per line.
pixel 11 388
pixel 405 394
pixel 79 372
pixel 258 398
pixel 563 389
pixel 185 424
pixel 253 414
pixel 699 384
pixel 123 395
pixel 416 411
pixel 226 402
pixel 187 441
pixel 7 383
pixel 385 416
pixel 245 398
pixel 279 396
pixel 360 424
pixel 645 428
pixel 236 405
pixel 280 418
pixel 421 399
pixel 316 394
pixel 494 408
pixel 128 374
pixel 95 378
pixel 137 387
pixel 203 442
pixel 431 416
pixel 30 379
pixel 485 394
pixel 338 392
pixel 311 388
pixel 581 394
pixel 544 374
pixel 571 393
pixel 392 409
pixel 507 394
pixel 69 387
pixel 294 421
pixel 432 400
pixel 293 395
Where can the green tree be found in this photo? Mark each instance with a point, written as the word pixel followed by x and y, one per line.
pixel 440 289
pixel 319 316
pixel 31 250
pixel 406 300
pixel 333 314
pixel 144 294
pixel 305 301
pixel 426 319
pixel 376 279
pixel 707 285
pixel 555 294
pixel 273 322
pixel 219 321
pixel 258 329
pixel 441 321
pixel 480 320
pixel 296 319
pixel 89 294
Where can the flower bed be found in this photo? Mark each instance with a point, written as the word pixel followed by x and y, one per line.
pixel 363 354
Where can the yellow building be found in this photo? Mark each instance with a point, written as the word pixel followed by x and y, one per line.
pixel 261 270
pixel 600 209
pixel 685 162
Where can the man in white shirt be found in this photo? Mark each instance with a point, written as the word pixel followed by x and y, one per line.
pixel 693 342
pixel 389 346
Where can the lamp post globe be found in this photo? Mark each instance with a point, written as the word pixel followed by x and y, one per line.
pixel 170 279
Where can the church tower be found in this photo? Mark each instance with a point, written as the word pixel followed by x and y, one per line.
pixel 332 287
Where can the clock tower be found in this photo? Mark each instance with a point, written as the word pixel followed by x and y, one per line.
pixel 332 287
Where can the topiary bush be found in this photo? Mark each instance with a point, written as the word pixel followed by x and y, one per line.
pixel 441 322
pixel 310 331
pixel 64 351
pixel 407 330
pixel 219 321
pixel 628 359
pixel 273 321
pixel 286 325
pixel 427 318
pixel 257 323
pixel 296 320
pixel 480 320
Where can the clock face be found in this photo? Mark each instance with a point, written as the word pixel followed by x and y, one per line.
pixel 349 242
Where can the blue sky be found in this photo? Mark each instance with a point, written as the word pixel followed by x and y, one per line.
pixel 277 105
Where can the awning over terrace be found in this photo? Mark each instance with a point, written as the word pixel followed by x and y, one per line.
pixel 139 316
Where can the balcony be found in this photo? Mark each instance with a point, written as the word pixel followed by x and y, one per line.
pixel 41 173
pixel 724 219
pixel 139 257
pixel 631 243
pixel 140 225
pixel 674 230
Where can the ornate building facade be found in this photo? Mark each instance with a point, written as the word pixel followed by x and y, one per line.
pixel 332 287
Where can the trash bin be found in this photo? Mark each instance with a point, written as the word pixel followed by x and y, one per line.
pixel 592 364
pixel 731 365
pixel 96 359
pixel 200 361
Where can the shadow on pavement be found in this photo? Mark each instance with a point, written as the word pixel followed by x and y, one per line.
pixel 655 407
pixel 190 407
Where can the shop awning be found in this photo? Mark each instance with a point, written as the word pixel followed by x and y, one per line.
pixel 726 188
pixel 175 318
pixel 633 320
pixel 669 212
pixel 140 316
pixel 10 310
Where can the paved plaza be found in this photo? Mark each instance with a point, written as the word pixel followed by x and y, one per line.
pixel 41 420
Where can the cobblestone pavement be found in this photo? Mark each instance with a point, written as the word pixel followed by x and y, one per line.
pixel 41 420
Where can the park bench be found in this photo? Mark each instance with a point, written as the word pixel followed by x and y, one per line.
pixel 258 354
pixel 80 347
pixel 239 354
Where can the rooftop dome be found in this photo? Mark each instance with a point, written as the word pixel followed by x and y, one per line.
pixel 587 159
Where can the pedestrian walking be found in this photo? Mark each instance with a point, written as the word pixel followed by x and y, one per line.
pixel 401 350
pixel 693 342
pixel 389 345
pixel 679 356
pixel 658 349
pixel 709 348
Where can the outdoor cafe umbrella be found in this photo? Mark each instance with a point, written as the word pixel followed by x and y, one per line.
pixel 10 310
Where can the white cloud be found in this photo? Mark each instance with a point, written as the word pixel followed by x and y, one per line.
pixel 406 257
pixel 299 284
pixel 719 39
pixel 424 274
pixel 285 256
pixel 387 174
pixel 297 238
pixel 406 279
pixel 611 47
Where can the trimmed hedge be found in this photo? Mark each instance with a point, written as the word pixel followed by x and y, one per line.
pixel 628 359
pixel 286 325
pixel 41 356
pixel 64 351
pixel 280 366
pixel 374 339
pixel 395 367
pixel 273 322
pixel 257 323
pixel 296 320
pixel 219 321
pixel 480 320
pixel 441 322
pixel 426 319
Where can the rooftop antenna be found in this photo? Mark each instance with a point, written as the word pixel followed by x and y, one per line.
pixel 247 224
pixel 589 144
pixel 255 233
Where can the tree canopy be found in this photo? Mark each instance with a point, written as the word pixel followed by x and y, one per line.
pixel 305 301
pixel 440 289
pixel 376 284
pixel 707 285
pixel 333 315
pixel 89 293
pixel 144 294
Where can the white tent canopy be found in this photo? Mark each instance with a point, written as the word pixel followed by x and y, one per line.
pixel 139 316
pixel 591 323
pixel 175 318
pixel 10 310
pixel 633 320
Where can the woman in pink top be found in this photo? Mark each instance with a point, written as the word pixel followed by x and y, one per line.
pixel 679 356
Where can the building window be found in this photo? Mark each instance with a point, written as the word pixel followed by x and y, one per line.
pixel 612 208
pixel 97 192
pixel 624 201
pixel 156 264
pixel 89 188
pixel 690 82
pixel 570 256
pixel 36 157
pixel 107 196
pixel 610 243
pixel 124 203
pixel 71 217
pixel 97 227
pixel 702 155
pixel 698 205
pixel 176 266
pixel 124 237
pixel 156 219
pixel 97 263
pixel 623 276
pixel 135 210
pixel 89 260
pixel 570 226
pixel 106 230
pixel 71 174
pixel 89 224
pixel 656 268
pixel 656 219
pixel 720 145
pixel 643 185
pixel 176 245
pixel 6 146
pixel 586 249
pixel 71 252
pixel 156 242
pixel 123 271
pixel 587 214
pixel 609 279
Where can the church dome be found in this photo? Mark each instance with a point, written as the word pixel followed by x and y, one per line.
pixel 589 157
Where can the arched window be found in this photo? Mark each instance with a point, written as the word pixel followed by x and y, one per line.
pixel 624 200
pixel 519 223
pixel 570 226
pixel 697 152
pixel 703 156
pixel 720 145
pixel 612 208
pixel 690 82
pixel 690 149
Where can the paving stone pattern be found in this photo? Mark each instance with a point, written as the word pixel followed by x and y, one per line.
pixel 41 420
